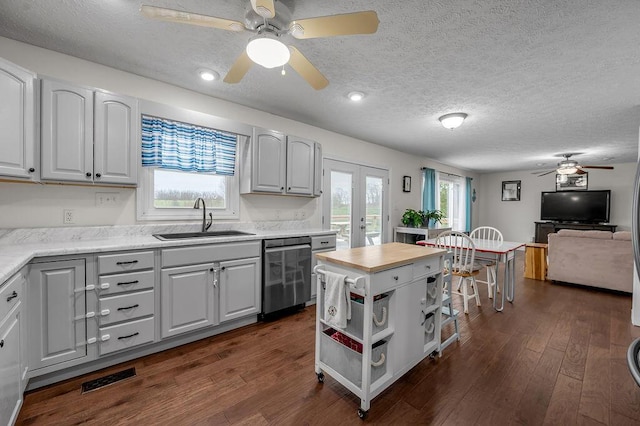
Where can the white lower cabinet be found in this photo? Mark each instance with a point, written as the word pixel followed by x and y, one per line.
pixel 188 299
pixel 57 306
pixel 239 288
pixel 11 349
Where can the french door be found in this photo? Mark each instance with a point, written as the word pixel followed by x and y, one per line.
pixel 355 203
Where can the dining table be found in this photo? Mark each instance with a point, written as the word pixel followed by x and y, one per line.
pixel 498 252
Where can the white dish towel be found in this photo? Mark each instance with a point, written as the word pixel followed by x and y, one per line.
pixel 337 304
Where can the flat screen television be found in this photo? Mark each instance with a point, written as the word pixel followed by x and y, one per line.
pixel 576 206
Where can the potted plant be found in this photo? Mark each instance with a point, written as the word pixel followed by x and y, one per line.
pixel 412 218
pixel 432 217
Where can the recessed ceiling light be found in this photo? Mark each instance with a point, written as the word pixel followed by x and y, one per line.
pixel 355 96
pixel 208 75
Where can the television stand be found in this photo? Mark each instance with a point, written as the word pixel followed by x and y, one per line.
pixel 545 228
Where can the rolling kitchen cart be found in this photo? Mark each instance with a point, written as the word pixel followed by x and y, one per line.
pixel 396 297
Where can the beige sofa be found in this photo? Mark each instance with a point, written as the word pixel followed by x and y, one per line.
pixel 594 258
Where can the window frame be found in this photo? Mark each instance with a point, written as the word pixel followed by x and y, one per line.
pixel 145 210
pixel 453 179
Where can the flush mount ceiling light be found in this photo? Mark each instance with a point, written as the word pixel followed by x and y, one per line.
pixel 208 75
pixel 355 96
pixel 453 120
pixel 265 49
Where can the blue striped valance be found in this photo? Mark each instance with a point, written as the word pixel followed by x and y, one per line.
pixel 180 146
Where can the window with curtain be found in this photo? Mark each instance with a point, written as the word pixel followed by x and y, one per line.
pixel 181 162
pixel 451 199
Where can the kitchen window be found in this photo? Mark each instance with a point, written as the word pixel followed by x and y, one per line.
pixel 183 161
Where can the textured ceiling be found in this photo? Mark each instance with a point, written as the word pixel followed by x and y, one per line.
pixel 537 78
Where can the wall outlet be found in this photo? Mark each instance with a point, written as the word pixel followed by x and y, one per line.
pixel 107 198
pixel 68 217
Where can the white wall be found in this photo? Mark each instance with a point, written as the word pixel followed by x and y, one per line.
pixel 516 218
pixel 33 205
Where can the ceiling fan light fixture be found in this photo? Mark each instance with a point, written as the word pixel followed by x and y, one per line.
pixel 266 50
pixel 567 170
pixel 453 120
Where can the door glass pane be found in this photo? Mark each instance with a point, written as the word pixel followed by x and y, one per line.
pixel 373 206
pixel 341 207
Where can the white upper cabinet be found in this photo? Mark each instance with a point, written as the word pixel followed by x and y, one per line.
pixel 300 165
pixel 116 138
pixel 17 122
pixel 278 164
pixel 88 136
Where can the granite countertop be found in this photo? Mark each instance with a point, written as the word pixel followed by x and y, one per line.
pixel 19 246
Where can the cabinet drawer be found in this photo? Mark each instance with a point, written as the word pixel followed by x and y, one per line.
pixel 125 336
pixel 11 293
pixel 126 282
pixel 426 267
pixel 125 262
pixel 208 253
pixel 391 278
pixel 323 242
pixel 126 307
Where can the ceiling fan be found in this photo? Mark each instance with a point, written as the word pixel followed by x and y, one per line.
pixel 571 167
pixel 265 47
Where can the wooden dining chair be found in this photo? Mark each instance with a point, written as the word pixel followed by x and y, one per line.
pixel 463 264
pixel 493 234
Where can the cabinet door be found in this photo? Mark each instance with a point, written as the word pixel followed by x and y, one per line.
pixel 239 288
pixel 10 388
pixel 116 139
pixel 56 303
pixel 300 164
pixel 317 170
pixel 17 122
pixel 187 295
pixel 268 161
pixel 67 132
pixel 408 339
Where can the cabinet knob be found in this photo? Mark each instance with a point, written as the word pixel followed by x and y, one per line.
pixel 395 277
pixel 289 189
pixel 31 170
pixel 282 188
pixel 211 270
pixel 98 175
pixel 88 174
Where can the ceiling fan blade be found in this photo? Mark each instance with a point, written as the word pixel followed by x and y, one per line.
pixel 335 25
pixel 306 69
pixel 546 173
pixel 580 171
pixel 182 17
pixel 239 68
pixel 598 167
pixel 264 8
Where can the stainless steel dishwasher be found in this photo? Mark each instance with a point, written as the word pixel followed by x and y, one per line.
pixel 286 274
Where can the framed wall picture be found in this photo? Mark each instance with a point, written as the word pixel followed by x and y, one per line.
pixel 510 190
pixel 406 183
pixel 572 182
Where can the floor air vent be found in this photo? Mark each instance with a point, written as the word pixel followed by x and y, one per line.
pixel 101 382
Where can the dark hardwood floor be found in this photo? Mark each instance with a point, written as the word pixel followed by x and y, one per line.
pixel 556 356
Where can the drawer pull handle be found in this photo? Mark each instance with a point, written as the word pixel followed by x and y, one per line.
pixel 130 262
pixel 2 343
pixel 379 362
pixel 427 266
pixel 128 307
pixel 129 282
pixel 430 328
pixel 324 242
pixel 13 296
pixel 395 277
pixel 127 337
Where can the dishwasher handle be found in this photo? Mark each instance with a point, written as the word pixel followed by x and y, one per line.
pixel 287 248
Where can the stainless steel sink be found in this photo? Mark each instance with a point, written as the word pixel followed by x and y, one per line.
pixel 209 234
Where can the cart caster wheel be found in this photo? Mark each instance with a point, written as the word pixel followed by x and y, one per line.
pixel 362 414
pixel 320 377
pixel 432 355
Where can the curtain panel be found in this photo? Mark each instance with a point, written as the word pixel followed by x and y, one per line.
pixel 186 147
pixel 428 189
